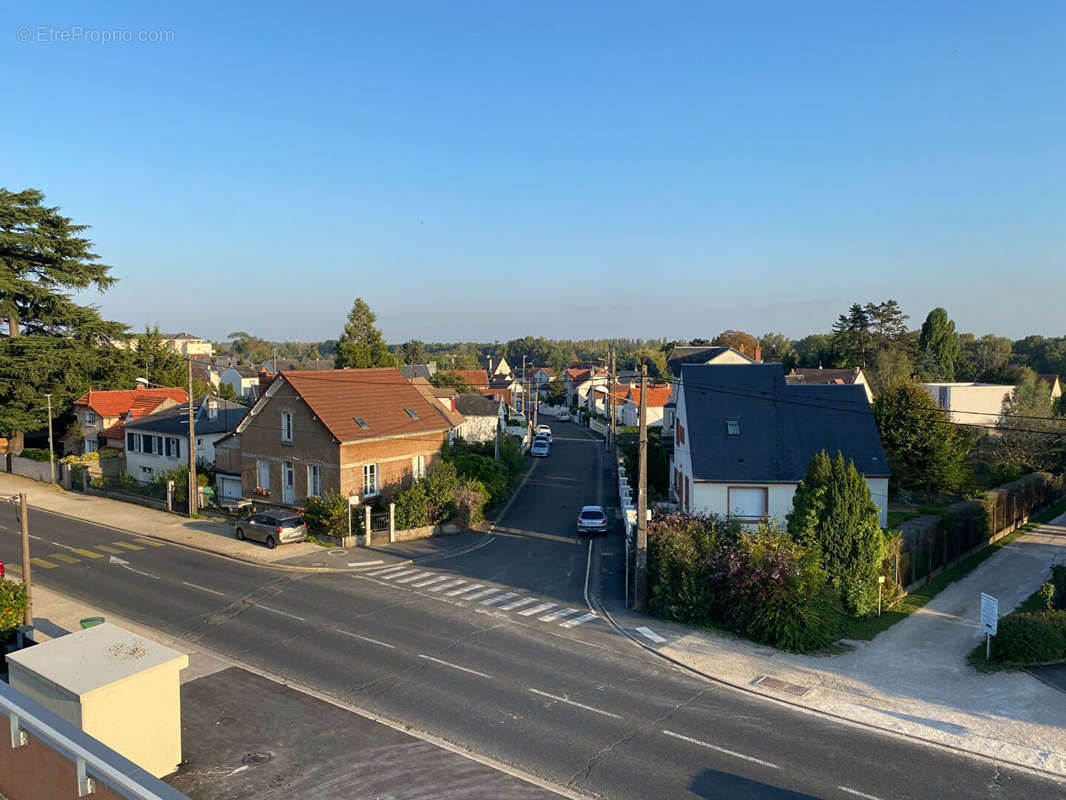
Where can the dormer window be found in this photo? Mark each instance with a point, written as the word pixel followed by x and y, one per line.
pixel 732 427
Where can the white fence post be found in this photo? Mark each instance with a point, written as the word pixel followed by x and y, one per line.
pixel 392 522
pixel 367 529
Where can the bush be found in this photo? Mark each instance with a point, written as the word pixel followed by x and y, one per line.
pixel 12 607
pixel 327 514
pixel 470 504
pixel 429 500
pixel 1031 638
pixel 34 454
pixel 490 473
pixel 1058 580
pixel 1047 596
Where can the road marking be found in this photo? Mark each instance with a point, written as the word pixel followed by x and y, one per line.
pixel 414 577
pixel 128 546
pixel 60 544
pixel 454 666
pixel 365 638
pixel 858 793
pixel 578 621
pixel 387 570
pixel 721 749
pixel 648 633
pixel 525 601
pixel 431 581
pixel 64 558
pixel 81 551
pixel 479 595
pixel 472 587
pixel 283 613
pixel 529 612
pixel 575 703
pixel 38 538
pixel 106 548
pixel 203 588
pixel 365 563
pixel 448 585
pixel 565 612
pixel 499 599
pixel 40 562
pixel 149 542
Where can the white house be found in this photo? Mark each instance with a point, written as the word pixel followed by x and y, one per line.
pixel 680 356
pixel 97 413
pixel 578 382
pixel 743 438
pixel 243 380
pixel 158 443
pixel 481 414
pixel 970 403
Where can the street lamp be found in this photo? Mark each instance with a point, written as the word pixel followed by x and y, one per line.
pixel 192 440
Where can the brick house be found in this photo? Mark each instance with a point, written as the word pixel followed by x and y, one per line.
pixel 352 431
pixel 97 413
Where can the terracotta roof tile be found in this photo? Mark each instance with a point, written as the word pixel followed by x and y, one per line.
pixel 425 388
pixel 474 378
pixel 115 403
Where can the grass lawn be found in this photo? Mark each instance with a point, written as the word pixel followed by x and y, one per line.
pixel 868 627
pixel 897 518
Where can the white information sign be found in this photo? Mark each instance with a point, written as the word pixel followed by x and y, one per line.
pixel 989 613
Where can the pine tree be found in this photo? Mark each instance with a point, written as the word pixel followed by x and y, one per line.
pixel 361 345
pixel 938 346
pixel 51 344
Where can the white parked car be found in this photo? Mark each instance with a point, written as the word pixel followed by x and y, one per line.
pixel 563 416
pixel 544 430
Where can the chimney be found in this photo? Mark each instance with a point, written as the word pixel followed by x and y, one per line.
pixel 758 352
pixel 774 356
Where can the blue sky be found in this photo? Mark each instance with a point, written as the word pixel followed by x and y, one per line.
pixel 484 171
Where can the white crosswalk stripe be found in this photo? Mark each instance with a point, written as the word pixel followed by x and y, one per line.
pixel 479 595
pixel 415 577
pixel 536 609
pixel 566 612
pixel 499 599
pixel 389 572
pixel 431 581
pixel 449 585
pixel 525 601
pixel 471 588
pixel 573 623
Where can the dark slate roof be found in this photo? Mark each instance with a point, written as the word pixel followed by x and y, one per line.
pixel 781 426
pixel 244 370
pixel 693 355
pixel 416 371
pixel 476 405
pixel 175 421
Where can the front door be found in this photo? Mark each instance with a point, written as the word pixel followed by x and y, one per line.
pixel 289 484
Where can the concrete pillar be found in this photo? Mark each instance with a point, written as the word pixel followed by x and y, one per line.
pixel 170 495
pixel 392 522
pixel 366 529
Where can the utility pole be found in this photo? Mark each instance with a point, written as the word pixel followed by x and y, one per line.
pixel 24 523
pixel 640 576
pixel 51 447
pixel 192 447
pixel 612 378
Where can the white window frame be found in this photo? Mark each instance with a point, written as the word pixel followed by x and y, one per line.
pixel 371 480
pixel 91 445
pixel 90 417
pixel 133 444
pixel 262 470
pixel 286 427
pixel 314 480
pixel 418 467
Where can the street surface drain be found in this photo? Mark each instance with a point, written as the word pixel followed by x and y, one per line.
pixel 318 563
pixel 782 686
pixel 256 758
pixel 338 551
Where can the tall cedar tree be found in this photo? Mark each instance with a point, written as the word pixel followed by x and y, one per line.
pixel 834 512
pixel 51 344
pixel 361 344
pixel 938 346
pixel 925 451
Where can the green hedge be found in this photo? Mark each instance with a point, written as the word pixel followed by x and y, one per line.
pixel 1031 638
pixel 34 454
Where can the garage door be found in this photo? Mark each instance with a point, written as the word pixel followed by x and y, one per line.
pixel 747 502
pixel 230 488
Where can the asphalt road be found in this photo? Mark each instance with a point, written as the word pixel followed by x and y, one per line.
pixel 495 651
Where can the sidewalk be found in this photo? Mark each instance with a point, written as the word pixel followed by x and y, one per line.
pixel 912 679
pixel 216 535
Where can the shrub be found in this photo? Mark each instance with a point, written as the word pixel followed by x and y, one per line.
pixel 429 500
pixel 12 607
pixel 491 474
pixel 327 514
pixel 1047 596
pixel 470 504
pixel 34 454
pixel 1031 638
pixel 1058 580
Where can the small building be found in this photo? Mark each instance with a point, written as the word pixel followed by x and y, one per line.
pixel 244 380
pixel 97 411
pixel 482 415
pixel 815 375
pixel 970 403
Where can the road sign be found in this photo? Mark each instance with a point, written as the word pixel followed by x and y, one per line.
pixel 989 613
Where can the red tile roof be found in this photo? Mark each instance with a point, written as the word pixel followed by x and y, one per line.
pixel 474 378
pixel 143 405
pixel 116 403
pixel 377 396
pixel 425 388
pixel 658 395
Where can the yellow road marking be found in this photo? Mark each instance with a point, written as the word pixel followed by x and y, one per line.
pixel 64 558
pixel 12 568
pixel 150 543
pixel 81 551
pixel 107 548
pixel 40 562
pixel 128 546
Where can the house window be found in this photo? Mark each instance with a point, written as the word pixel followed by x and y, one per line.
pixel 133 442
pixel 262 469
pixel 418 467
pixel 199 442
pixel 370 480
pixel 173 447
pixel 314 481
pixel 90 417
pixel 732 427
pixel 146 471
pixel 91 445
pixel 680 433
pixel 748 502
pixel 286 427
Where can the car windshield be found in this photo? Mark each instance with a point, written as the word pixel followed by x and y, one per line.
pixel 592 515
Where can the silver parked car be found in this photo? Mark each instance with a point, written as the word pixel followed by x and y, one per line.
pixel 592 519
pixel 272 528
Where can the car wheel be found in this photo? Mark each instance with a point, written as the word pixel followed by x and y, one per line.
pixel 271 543
pixel 240 534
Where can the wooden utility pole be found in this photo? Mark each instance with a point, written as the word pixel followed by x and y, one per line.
pixel 640 573
pixel 612 379
pixel 192 447
pixel 24 523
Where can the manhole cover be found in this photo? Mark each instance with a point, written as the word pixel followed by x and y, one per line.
pixel 318 563
pixel 338 551
pixel 783 686
pixel 256 758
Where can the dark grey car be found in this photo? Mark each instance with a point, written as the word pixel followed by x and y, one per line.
pixel 273 528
